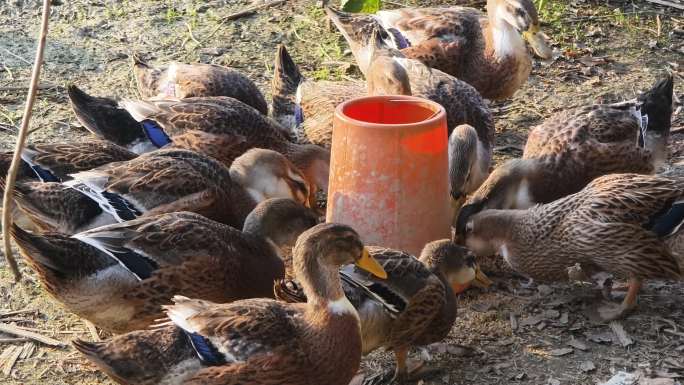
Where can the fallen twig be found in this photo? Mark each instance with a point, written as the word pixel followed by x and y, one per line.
pixel 251 10
pixel 21 140
pixel 17 331
pixel 93 330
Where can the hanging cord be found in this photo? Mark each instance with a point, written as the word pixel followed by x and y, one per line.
pixel 21 141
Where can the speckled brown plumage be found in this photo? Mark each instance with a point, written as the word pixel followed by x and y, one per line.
pixel 460 41
pixel 256 341
pixel 187 254
pixel 173 180
pixel 605 227
pixel 414 306
pixel 572 147
pixel 179 81
pixel 462 102
pixel 62 159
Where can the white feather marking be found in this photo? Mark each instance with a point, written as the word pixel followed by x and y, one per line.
pixel 141 146
pixel 523 198
pixel 342 306
pixel 505 253
pixel 507 40
pixel 181 371
pixel 298 93
pixel 139 109
pixel 103 219
pixel 179 315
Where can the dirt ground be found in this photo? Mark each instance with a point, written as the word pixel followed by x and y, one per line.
pixel 608 50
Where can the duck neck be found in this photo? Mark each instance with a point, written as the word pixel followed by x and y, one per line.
pixel 323 289
pixel 502 40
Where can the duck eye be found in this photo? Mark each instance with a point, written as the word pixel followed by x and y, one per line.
pixel 520 12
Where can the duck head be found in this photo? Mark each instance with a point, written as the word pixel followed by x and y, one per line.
pixel 523 17
pixel 455 263
pixel 318 255
pixel 487 231
pixel 268 174
pixel 280 221
pixel 385 71
pixel 314 163
pixel 507 187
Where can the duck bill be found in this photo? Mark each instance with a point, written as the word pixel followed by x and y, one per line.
pixel 535 38
pixel 371 265
pixel 481 280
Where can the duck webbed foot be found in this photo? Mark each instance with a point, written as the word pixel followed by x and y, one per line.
pixel 610 311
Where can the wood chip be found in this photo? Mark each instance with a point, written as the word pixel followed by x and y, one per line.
pixel 28 350
pixel 10 360
pixel 530 321
pixel 667 3
pixel 561 352
pixel 577 344
pixel 17 331
pixel 624 338
pixel 622 378
pixel 93 331
pixel 564 318
pixel 514 321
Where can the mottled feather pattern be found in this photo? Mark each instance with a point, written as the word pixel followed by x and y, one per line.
pixel 197 80
pixel 166 176
pixel 611 215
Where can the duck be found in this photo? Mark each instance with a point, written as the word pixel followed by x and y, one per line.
pixel 414 306
pixel 485 51
pixel 222 127
pixel 177 80
pixel 574 146
pixel 469 121
pixel 118 276
pixel 53 162
pixel 253 341
pixel 163 181
pixel 623 224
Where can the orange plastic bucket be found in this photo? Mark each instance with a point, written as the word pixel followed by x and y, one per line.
pixel 389 171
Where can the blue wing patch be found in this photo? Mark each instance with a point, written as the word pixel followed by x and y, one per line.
pixel 670 222
pixel 299 115
pixel 43 174
pixel 399 40
pixel 205 350
pixel 155 133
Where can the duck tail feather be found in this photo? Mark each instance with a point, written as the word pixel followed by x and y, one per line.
pixel 104 118
pixel 284 86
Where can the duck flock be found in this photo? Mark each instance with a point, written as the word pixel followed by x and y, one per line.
pixel 190 226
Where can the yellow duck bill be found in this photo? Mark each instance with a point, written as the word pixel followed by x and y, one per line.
pixel 371 265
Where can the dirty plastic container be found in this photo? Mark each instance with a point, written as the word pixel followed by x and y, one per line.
pixel 389 171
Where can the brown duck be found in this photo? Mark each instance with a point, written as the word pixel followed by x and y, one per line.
pixel 162 181
pixel 179 81
pixel 629 225
pixel 469 121
pixel 570 149
pixel 414 306
pixel 255 341
pixel 487 52
pixel 119 276
pixel 221 127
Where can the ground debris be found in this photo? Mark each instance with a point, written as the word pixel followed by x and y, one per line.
pixel 561 352
pixel 577 344
pixel 621 334
pixel 587 366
